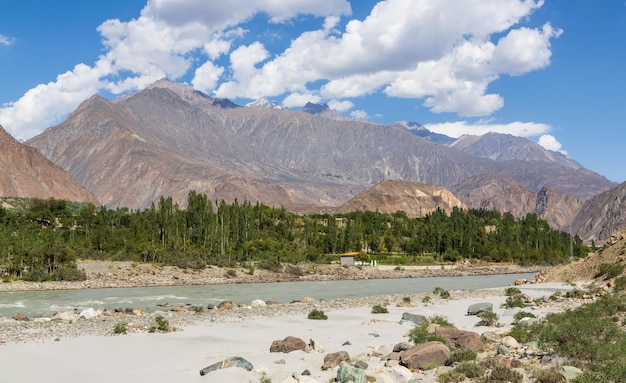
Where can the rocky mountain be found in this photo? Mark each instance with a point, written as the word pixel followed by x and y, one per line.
pixel 390 196
pixel 24 172
pixel 505 147
pixel 169 139
pixel 421 131
pixel 494 191
pixel 602 216
pixel 263 102
pixel 502 193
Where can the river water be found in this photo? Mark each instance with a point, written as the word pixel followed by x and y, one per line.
pixel 33 303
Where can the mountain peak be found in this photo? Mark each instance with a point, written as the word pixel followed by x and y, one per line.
pixel 315 108
pixel 265 103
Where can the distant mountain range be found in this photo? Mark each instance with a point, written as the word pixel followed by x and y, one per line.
pixel 169 138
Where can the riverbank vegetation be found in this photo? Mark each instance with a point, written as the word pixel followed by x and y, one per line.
pixel 42 239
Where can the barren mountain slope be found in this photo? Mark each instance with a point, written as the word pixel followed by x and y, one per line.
pixel 24 172
pixel 602 216
pixel 389 197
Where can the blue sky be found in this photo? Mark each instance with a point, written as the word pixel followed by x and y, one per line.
pixel 551 71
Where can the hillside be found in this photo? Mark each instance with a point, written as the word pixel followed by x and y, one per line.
pixel 587 268
pixel 25 173
pixel 389 197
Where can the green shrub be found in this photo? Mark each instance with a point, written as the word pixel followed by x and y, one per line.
pixel 317 315
pixel 420 334
pixel 197 309
pixel 426 299
pixel 510 291
pixel 488 318
pixel 461 355
pixel 162 323
pixel 265 379
pixel 514 301
pixel 231 273
pixel 379 309
pixel 609 270
pixel 406 299
pixel 502 373
pixel 620 283
pixel 445 294
pixel 548 376
pixel 120 328
pixel 523 314
pixel 462 372
pixel 440 320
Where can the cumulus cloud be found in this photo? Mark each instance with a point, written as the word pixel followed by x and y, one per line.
pixel 340 106
pixel 549 142
pixel 443 52
pixel 5 40
pixel 459 128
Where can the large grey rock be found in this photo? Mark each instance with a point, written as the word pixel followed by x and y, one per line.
pixel 347 373
pixel 425 354
pixel 235 361
pixel 416 319
pixel 478 308
pixel 396 374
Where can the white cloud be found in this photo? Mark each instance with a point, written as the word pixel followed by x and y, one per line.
pixel 300 99
pixel 549 142
pixel 206 77
pixel 340 106
pixel 359 114
pixel 459 128
pixel 5 40
pixel 440 51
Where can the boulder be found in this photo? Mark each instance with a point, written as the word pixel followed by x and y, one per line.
pixel 20 317
pixel 403 346
pixel 315 346
pixel 235 361
pixel 478 308
pixel 425 354
pixel 491 337
pixel 458 338
pixel 334 359
pixel 415 319
pixel 397 373
pixel 258 303
pixel 227 305
pixel 347 373
pixel 510 342
pixel 88 313
pixel 380 350
pixel 289 344
pixel 67 316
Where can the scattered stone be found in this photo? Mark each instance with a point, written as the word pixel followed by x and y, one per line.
pixel 88 313
pixel 334 359
pixel 503 350
pixel 258 303
pixel 315 346
pixel 361 364
pixel 510 342
pixel 403 346
pixel 287 345
pixel 20 317
pixel 490 337
pixel 346 343
pixel 226 305
pixel 235 361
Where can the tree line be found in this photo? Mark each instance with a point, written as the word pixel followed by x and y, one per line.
pixel 44 239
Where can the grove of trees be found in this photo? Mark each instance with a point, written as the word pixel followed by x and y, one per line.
pixel 44 239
